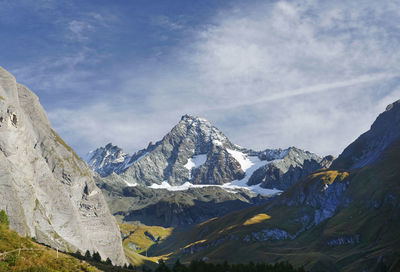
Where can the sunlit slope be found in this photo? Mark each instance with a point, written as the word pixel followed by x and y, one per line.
pixel 34 257
pixel 137 241
pixel 333 220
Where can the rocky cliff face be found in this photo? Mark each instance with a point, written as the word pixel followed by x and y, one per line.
pixel 195 151
pixel 106 160
pixel 46 190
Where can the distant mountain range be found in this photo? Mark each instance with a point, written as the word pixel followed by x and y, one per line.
pixel 193 174
pixel 196 153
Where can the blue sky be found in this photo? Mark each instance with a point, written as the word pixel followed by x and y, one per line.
pixel 312 74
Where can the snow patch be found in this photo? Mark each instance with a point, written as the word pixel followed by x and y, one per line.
pixel 244 161
pixel 130 184
pixel 196 161
pixel 229 187
pixel 163 185
pixel 183 187
pixel 217 142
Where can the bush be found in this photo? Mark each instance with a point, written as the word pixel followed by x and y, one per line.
pixel 4 218
pixel 11 259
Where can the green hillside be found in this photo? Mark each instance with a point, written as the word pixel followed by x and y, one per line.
pixel 33 256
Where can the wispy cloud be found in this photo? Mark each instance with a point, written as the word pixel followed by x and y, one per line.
pixel 79 29
pixel 333 86
pixel 167 22
pixel 308 73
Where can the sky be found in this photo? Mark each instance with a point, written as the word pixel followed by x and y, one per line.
pixel 268 74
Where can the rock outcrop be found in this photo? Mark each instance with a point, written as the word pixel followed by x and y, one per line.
pixel 46 190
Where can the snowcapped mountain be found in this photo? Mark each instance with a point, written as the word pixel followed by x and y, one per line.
pixel 196 152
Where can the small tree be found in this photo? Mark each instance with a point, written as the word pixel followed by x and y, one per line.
pixel 88 255
pixel 108 261
pixel 96 257
pixel 4 218
pixel 78 255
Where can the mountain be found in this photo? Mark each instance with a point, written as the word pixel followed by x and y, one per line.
pixel 194 151
pixel 47 191
pixel 370 145
pixel 169 183
pixel 337 219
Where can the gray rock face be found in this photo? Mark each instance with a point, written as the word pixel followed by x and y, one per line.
pixel 370 145
pixel 344 240
pixel 166 160
pixel 46 190
pixel 268 235
pixel 197 152
pixel 106 160
pixel 324 199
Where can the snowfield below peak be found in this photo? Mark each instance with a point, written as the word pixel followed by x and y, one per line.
pixel 196 161
pixel 249 164
pixel 232 187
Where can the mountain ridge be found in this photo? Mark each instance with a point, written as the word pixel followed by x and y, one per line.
pixel 195 151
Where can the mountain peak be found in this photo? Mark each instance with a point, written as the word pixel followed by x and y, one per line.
pixel 109 155
pixel 191 118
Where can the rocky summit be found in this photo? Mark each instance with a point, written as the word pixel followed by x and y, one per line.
pixel 46 190
pixel 197 152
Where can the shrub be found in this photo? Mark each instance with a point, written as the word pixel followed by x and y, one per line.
pixel 12 259
pixel 4 218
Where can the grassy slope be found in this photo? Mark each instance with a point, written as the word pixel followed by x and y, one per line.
pixel 136 235
pixel 42 259
pixel 373 213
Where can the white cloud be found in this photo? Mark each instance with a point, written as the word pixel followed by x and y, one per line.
pixel 79 29
pixel 313 74
pixel 167 22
